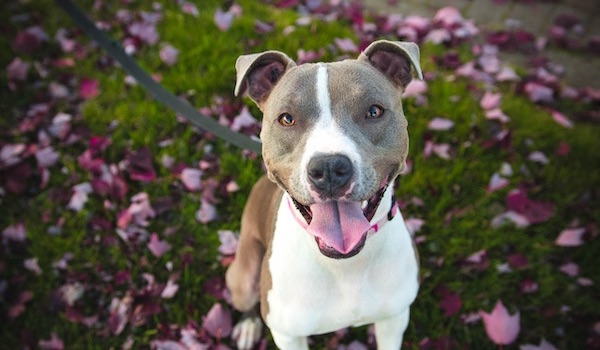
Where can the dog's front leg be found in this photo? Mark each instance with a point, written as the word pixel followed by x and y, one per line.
pixel 390 331
pixel 287 342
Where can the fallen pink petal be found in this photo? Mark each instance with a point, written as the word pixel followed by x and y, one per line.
pixel 191 179
pixel 54 343
pixel 17 70
pixel 562 119
pixel 218 321
pixel 15 233
pixel 440 124
pixel 490 100
pixel 190 8
pixel 570 237
pixel 170 290
pixel 501 327
pixel 570 269
pixel 157 246
pixel 80 196
pixel 206 213
pixel 88 88
pixel 229 242
pixel 497 182
pixel 346 45
pixel 223 20
pixel 168 54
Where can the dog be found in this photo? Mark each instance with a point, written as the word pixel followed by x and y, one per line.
pixel 322 244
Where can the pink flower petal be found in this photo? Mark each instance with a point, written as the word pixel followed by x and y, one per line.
pixel 528 286
pixel 501 327
pixel 88 88
pixel 585 282
pixel 497 182
pixel 477 257
pixel 232 186
pixel 46 157
pixel 570 269
pixel 229 242
pixel 206 213
pixel 32 265
pixel 441 150
pixel 223 20
pixel 346 45
pixel 539 157
pixel 15 233
pixel 534 211
pixel 157 247
pixel 570 237
pixel 168 54
pixel 414 225
pixel 218 322
pixel 490 100
pixel 448 16
pixel 80 196
pixel 170 289
pixel 243 120
pixel 167 345
pixel 54 343
pixel 415 88
pixel 562 119
pixel 497 114
pixel 518 261
pixel 451 303
pixel 11 154
pixel 538 92
pixel 440 124
pixel 190 8
pixel 144 31
pixel 140 165
pixel 17 70
pixel 191 179
pixel 517 219
pixel 507 74
pixel 438 36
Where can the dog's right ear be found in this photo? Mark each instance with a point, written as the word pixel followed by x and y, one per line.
pixel 259 73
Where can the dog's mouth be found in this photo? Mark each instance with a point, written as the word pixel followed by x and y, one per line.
pixel 340 227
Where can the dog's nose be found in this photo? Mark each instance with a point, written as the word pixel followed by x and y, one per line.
pixel 330 174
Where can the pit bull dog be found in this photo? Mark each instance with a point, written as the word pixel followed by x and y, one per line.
pixel 322 244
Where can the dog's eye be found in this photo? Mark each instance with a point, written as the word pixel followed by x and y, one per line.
pixel 286 120
pixel 374 112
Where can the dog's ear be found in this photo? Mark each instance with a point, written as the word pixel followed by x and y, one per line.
pixel 394 59
pixel 259 73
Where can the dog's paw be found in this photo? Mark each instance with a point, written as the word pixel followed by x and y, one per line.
pixel 247 332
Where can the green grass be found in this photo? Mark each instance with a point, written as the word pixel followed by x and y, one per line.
pixel 205 69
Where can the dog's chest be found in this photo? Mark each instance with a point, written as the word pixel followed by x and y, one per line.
pixel 312 294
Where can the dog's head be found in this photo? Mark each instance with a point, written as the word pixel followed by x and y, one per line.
pixel 334 134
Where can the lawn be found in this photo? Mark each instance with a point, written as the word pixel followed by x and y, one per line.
pixel 118 217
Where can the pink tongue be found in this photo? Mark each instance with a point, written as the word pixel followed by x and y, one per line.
pixel 340 225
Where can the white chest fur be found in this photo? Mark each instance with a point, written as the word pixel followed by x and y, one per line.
pixel 314 294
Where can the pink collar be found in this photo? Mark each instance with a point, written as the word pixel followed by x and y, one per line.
pixel 371 231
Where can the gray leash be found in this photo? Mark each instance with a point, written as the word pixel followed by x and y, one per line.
pixel 115 50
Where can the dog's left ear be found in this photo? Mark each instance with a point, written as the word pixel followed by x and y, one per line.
pixel 394 59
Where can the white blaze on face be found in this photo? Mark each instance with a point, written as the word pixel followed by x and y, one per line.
pixel 326 137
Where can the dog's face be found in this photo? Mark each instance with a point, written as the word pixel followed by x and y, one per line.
pixel 334 135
